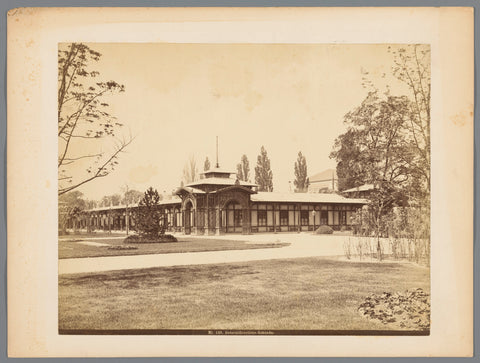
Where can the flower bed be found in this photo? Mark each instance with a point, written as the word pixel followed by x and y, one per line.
pixel 162 238
pixel 122 248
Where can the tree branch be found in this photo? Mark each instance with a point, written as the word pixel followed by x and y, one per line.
pixel 100 170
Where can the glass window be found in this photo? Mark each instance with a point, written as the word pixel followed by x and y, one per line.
pixel 335 218
pixel 230 218
pixel 254 218
pixel 330 218
pixel 304 217
pixel 349 218
pixel 270 218
pixel 262 217
pixel 291 218
pixel 283 218
pixel 238 217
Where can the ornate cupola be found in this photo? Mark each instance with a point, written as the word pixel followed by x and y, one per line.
pixel 216 179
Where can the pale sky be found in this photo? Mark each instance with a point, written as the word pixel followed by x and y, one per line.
pixel 286 97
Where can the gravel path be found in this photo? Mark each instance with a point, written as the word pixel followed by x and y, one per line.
pixel 302 245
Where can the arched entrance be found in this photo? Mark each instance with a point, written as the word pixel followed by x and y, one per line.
pixel 233 217
pixel 188 215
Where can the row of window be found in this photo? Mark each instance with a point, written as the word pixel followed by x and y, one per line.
pixel 263 215
pixel 262 218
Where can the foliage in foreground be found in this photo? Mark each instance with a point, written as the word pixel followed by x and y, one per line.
pixel 402 233
pixel 84 121
pixel 409 309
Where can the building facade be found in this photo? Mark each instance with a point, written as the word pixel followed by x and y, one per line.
pixel 218 203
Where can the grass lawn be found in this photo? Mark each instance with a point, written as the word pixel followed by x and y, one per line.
pixel 96 234
pixel 303 293
pixel 67 249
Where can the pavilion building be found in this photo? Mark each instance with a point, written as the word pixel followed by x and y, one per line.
pixel 219 203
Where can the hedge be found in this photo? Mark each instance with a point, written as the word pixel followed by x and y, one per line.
pixel 162 238
pixel 324 230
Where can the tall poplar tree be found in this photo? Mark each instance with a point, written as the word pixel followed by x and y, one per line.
pixel 301 178
pixel 243 169
pixel 263 173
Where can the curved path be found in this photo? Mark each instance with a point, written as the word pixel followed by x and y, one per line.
pixel 301 245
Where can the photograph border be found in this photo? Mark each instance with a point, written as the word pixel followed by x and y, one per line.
pixel 370 3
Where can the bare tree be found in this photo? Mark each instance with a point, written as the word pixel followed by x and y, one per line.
pixel 190 172
pixel 412 66
pixel 83 119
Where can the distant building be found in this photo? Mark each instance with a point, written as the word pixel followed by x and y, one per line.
pixel 362 191
pixel 324 182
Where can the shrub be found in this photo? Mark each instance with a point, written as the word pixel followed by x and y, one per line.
pixel 147 216
pixel 324 230
pixel 161 238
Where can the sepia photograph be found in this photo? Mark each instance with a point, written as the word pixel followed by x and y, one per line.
pixel 240 182
pixel 244 189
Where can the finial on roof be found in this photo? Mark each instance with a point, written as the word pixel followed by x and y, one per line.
pixel 217 166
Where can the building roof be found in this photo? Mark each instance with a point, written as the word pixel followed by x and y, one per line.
pixel 191 190
pixel 304 197
pixel 219 181
pixel 234 187
pixel 218 170
pixel 362 188
pixel 174 200
pixel 325 175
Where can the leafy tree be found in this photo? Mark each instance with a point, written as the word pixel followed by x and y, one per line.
pixel 132 196
pixel 206 164
pixel 301 179
pixel 70 206
pixel 147 216
pixel 111 200
pixel 90 204
pixel 376 147
pixel 84 122
pixel 263 173
pixel 243 169
pixel 190 172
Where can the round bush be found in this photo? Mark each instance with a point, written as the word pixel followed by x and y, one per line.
pixel 162 238
pixel 324 230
